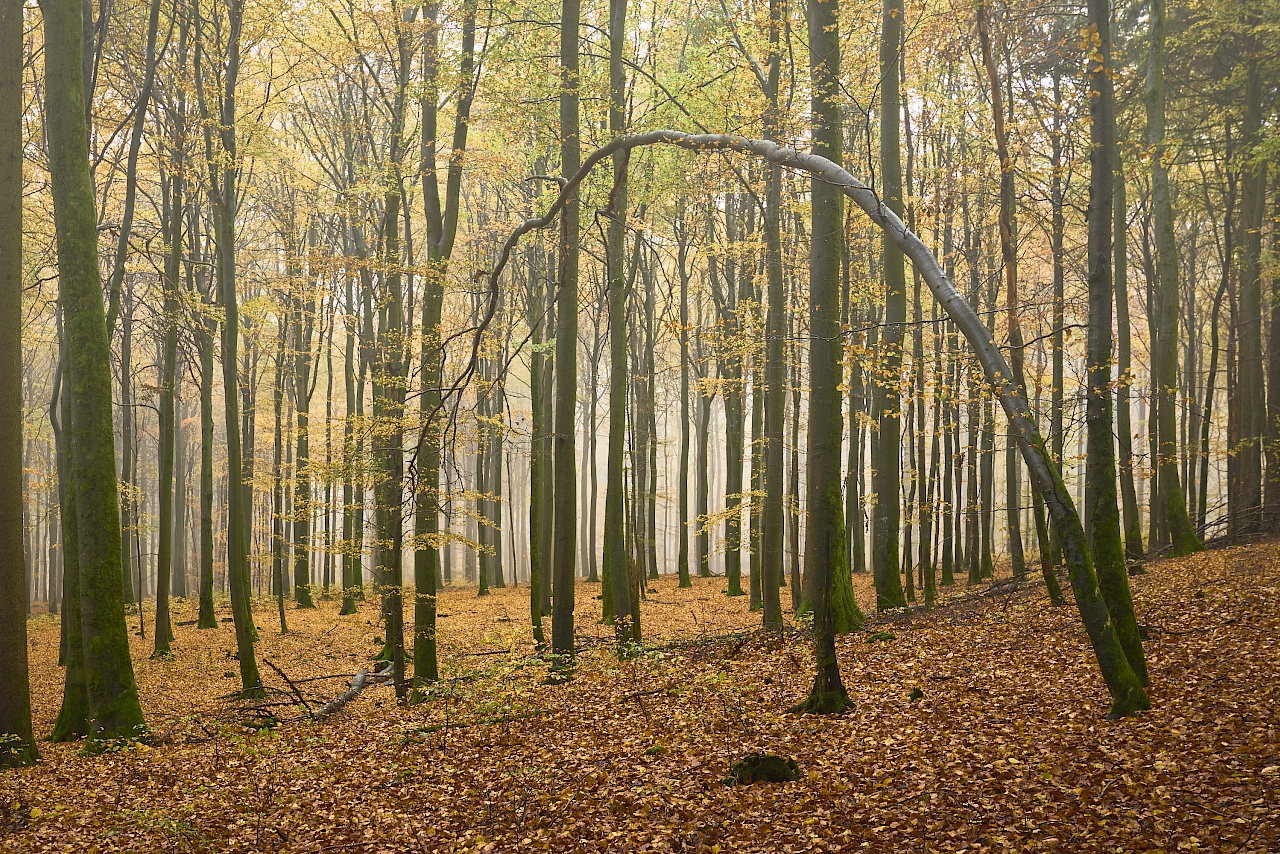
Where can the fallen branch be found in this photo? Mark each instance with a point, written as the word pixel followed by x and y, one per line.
pixel 358 683
pixel 294 688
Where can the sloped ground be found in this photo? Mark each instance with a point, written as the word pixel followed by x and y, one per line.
pixel 1008 749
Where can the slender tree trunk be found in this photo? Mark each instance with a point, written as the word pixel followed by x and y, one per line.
pixel 682 554
pixel 18 746
pixel 304 311
pixel 826 563
pixel 278 545
pixel 168 429
pixel 73 716
pixel 1173 505
pixel 565 506
pixel 1133 548
pixel 223 175
pixel 615 549
pixel 1248 394
pixel 1100 475
pixel 886 398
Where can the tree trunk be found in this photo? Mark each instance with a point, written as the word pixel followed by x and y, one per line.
pixel 615 549
pixel 886 398
pixel 564 525
pixel 1133 548
pixel 113 707
pixel 1172 503
pixel 19 745
pixel 1100 473
pixel 168 429
pixel 682 261
pixel 1248 395
pixel 826 563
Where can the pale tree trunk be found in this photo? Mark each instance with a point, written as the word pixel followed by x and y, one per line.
pixel 1133 548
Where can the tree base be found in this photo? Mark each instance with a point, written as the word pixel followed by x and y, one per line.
pixel 823 703
pixel 1136 701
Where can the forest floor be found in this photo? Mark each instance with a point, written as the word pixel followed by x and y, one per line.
pixel 1008 749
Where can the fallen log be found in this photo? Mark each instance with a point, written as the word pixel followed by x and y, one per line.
pixel 358 683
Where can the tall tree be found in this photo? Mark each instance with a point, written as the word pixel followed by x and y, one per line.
pixel 1009 262
pixel 442 229
pixel 1248 397
pixel 564 526
pixel 17 743
pixel 113 708
pixel 626 617
pixel 775 368
pixel 172 193
pixel 1100 471
pixel 1172 503
pixel 826 562
pixel 886 396
pixel 224 169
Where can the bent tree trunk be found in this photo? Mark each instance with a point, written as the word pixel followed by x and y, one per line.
pixel 1126 690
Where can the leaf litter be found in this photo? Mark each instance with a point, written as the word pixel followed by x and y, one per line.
pixel 978 726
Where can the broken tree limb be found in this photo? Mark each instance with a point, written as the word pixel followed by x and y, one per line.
pixel 358 684
pixel 1126 690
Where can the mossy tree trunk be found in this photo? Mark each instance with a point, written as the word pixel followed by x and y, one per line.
pixel 113 708
pixel 826 561
pixel 1100 473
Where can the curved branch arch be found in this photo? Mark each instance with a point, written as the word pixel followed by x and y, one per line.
pixel 1126 690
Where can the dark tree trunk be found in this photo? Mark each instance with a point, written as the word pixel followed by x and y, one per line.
pixel 826 561
pixel 19 744
pixel 113 708
pixel 886 398
pixel 1100 475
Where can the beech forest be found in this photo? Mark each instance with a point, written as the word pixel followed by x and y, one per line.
pixel 681 426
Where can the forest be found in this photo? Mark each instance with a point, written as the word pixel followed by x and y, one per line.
pixel 637 425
